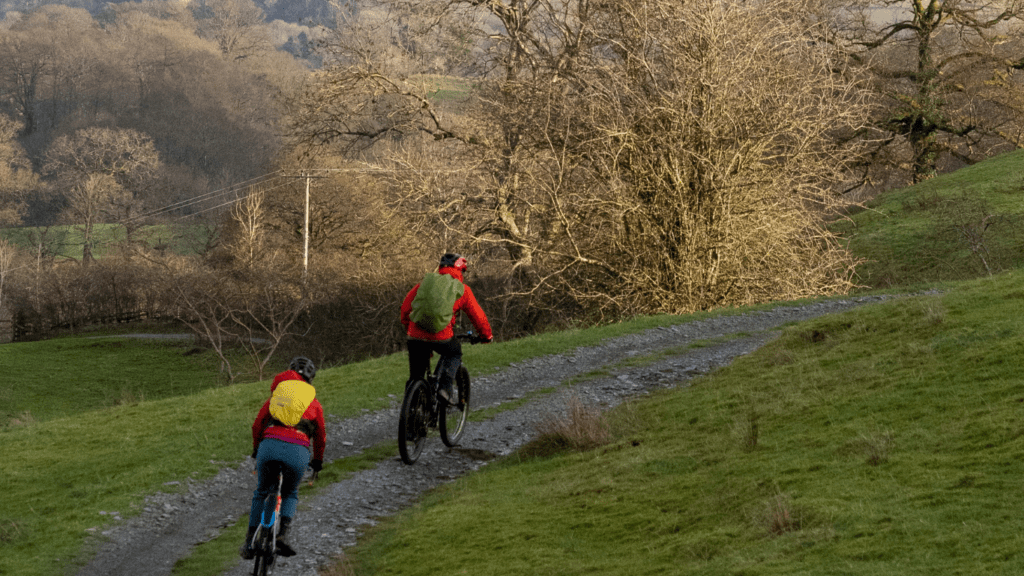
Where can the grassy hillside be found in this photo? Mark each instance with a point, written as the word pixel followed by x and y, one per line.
pixel 888 440
pixel 67 376
pixel 958 226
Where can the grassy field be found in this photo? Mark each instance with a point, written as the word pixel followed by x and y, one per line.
pixel 886 440
pixel 442 88
pixel 96 373
pixel 65 242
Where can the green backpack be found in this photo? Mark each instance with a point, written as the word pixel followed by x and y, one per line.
pixel 432 307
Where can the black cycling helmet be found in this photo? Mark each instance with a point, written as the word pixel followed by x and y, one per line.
pixel 456 261
pixel 304 366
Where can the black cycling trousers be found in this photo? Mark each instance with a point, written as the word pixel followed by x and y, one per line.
pixel 419 358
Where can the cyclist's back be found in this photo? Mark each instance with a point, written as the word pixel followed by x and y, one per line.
pixel 421 341
pixel 285 448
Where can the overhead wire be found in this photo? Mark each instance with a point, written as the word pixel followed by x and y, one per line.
pixel 235 188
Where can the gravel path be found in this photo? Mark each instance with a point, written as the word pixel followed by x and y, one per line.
pixel 330 521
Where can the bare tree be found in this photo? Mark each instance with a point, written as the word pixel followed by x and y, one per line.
pixel 238 27
pixel 23 62
pixel 201 304
pixel 48 61
pixel 946 71
pixel 17 178
pixel 267 309
pixel 719 143
pixel 7 253
pixel 249 217
pixel 98 170
pixel 254 311
pixel 638 156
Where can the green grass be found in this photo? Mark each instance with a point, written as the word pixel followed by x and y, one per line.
pixel 46 378
pixel 956 226
pixel 886 440
pixel 65 242
pixel 889 441
pixel 73 460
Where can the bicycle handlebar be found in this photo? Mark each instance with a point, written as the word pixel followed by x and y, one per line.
pixel 473 338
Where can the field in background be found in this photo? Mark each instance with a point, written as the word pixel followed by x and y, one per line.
pixel 445 88
pixel 65 242
pixel 68 376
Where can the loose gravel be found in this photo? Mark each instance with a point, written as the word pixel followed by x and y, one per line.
pixel 330 521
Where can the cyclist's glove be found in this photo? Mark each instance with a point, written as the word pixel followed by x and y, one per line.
pixel 316 465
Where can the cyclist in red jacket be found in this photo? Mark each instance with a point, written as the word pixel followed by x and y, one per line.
pixel 422 342
pixel 277 447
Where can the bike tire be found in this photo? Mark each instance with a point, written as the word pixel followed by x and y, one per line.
pixel 413 421
pixel 264 556
pixel 452 422
pixel 259 567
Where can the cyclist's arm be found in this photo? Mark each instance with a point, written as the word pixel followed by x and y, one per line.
pixel 319 440
pixel 476 315
pixel 260 424
pixel 407 306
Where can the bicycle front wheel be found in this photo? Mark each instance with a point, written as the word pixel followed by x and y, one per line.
pixel 413 421
pixel 264 554
pixel 452 422
pixel 260 566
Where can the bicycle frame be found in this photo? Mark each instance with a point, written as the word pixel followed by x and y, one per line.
pixel 421 410
pixel 264 541
pixel 274 523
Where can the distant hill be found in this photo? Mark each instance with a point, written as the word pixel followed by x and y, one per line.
pixel 307 12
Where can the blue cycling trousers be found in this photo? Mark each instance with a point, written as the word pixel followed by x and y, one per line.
pixel 273 456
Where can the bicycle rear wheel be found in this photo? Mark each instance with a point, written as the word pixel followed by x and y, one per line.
pixel 452 422
pixel 412 421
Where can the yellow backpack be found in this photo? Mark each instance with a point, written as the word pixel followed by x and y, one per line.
pixel 289 401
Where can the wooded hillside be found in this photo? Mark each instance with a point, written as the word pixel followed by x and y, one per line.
pixel 594 160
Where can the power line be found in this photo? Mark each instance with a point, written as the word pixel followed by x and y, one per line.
pixel 261 180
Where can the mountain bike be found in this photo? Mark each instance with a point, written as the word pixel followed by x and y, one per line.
pixel 423 411
pixel 264 541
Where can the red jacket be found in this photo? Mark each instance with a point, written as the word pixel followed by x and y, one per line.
pixel 309 429
pixel 467 302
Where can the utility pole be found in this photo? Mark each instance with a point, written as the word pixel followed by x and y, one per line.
pixel 305 225
pixel 305 235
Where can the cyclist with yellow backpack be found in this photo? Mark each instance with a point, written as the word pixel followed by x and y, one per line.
pixel 289 426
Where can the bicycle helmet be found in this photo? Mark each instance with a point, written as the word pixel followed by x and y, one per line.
pixel 456 261
pixel 304 366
